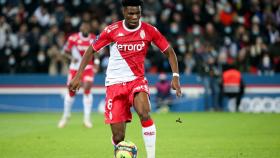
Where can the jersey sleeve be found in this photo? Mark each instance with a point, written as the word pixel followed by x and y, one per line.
pixel 69 44
pixel 159 40
pixel 102 40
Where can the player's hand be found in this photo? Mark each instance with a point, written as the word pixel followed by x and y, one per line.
pixel 175 84
pixel 74 84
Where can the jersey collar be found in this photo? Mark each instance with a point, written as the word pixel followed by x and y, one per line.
pixel 132 30
pixel 82 37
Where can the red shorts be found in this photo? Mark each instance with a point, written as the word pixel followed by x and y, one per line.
pixel 119 99
pixel 87 76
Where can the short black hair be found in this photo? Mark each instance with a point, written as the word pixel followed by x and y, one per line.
pixel 126 3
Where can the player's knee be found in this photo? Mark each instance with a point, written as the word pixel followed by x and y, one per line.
pixel 118 137
pixel 87 91
pixel 72 93
pixel 144 115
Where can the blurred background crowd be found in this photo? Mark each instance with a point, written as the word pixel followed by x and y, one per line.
pixel 206 34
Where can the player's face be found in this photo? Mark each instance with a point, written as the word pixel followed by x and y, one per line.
pixel 132 15
pixel 85 29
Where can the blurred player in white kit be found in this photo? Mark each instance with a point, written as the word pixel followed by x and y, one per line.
pixel 74 49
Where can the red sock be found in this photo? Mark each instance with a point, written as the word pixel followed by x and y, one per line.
pixel 87 91
pixel 147 123
pixel 72 93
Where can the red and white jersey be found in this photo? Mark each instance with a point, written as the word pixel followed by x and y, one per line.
pixel 77 44
pixel 128 50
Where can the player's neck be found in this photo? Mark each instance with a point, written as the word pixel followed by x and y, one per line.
pixel 127 28
pixel 83 36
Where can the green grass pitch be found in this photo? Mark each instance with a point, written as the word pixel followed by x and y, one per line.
pixel 201 135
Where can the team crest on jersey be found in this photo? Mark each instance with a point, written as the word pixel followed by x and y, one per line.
pixel 142 34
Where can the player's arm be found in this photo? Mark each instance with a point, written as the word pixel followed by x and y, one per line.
pixel 160 41
pixel 175 83
pixel 67 55
pixel 75 82
pixel 101 41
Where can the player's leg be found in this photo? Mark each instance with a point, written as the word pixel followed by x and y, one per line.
pixel 68 102
pixel 87 79
pixel 118 132
pixel 87 101
pixel 117 111
pixel 142 106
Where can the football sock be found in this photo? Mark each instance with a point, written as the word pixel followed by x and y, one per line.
pixel 87 100
pixel 68 102
pixel 149 135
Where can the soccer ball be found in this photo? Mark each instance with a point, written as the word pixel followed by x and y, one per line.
pixel 125 149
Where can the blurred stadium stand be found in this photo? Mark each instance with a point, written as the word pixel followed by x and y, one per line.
pixel 205 33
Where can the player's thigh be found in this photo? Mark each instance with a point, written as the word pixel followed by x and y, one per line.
pixel 117 106
pixel 117 110
pixel 142 104
pixel 71 75
pixel 87 85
